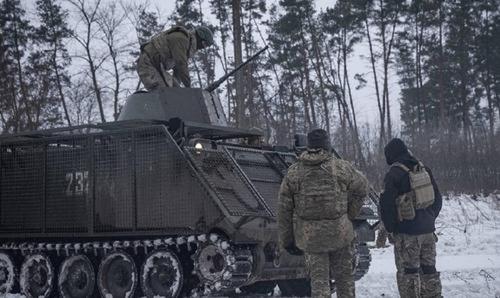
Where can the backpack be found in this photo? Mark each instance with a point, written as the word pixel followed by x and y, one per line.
pixel 322 192
pixel 421 194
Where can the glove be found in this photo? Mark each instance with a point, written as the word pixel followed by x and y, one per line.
pixel 294 250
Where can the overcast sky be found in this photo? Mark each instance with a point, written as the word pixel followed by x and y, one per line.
pixel 364 99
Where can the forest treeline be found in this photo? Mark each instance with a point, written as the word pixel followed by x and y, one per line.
pixel 70 62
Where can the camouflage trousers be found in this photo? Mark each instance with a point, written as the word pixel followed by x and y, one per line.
pixel 324 267
pixel 415 257
pixel 153 76
pixel 381 236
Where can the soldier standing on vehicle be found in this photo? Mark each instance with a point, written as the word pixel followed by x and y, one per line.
pixel 171 49
pixel 410 204
pixel 319 197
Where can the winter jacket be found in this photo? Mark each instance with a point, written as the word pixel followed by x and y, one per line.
pixel 318 198
pixel 396 183
pixel 172 49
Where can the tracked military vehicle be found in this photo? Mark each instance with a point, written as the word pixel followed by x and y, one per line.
pixel 167 201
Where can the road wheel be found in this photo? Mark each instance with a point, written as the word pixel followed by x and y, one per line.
pixel 295 287
pixel 7 274
pixel 117 276
pixel 162 275
pixel 37 275
pixel 76 277
pixel 261 287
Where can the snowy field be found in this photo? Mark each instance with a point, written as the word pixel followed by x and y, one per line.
pixel 468 253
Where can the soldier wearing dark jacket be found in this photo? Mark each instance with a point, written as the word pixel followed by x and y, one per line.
pixel 414 240
pixel 171 50
pixel 319 197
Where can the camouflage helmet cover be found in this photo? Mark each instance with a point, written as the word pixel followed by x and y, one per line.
pixel 205 34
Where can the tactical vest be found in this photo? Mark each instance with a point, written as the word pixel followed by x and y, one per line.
pixel 322 193
pixel 421 194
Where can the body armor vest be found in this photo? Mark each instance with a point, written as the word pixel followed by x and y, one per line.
pixel 322 193
pixel 421 195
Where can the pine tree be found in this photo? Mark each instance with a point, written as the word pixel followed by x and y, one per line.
pixel 486 58
pixel 189 14
pixel 220 9
pixel 51 36
pixel 383 15
pixel 459 46
pixel 15 31
pixel 344 28
pixel 253 89
pixel 292 48
pixel 418 51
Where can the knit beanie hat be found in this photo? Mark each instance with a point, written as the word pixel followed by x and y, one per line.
pixel 318 138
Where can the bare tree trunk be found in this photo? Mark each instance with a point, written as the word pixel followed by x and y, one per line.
pixel 417 74
pixel 22 83
pixel 238 59
pixel 387 55
pixel 307 123
pixel 441 69
pixel 309 95
pixel 283 115
pixel 224 61
pixel 317 66
pixel 487 85
pixel 248 73
pixel 60 88
pixel 110 21
pixel 89 17
pixel 381 107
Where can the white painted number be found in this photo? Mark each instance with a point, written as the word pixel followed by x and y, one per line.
pixel 77 183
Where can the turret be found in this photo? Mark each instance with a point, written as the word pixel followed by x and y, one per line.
pixel 189 104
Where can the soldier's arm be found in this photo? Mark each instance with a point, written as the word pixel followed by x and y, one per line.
pixel 357 191
pixel 285 214
pixel 388 208
pixel 179 49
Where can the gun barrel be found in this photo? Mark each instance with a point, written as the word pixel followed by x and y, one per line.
pixel 217 83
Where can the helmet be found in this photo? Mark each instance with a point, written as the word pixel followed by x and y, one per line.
pixel 205 34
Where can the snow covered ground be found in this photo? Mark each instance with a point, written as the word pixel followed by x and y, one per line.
pixel 468 252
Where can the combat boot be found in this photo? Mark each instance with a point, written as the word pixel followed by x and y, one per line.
pixel 410 286
pixel 430 285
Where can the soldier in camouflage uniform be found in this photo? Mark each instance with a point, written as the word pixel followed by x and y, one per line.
pixel 319 197
pixel 414 239
pixel 171 49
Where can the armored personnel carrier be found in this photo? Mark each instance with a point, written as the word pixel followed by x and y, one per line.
pixel 165 202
